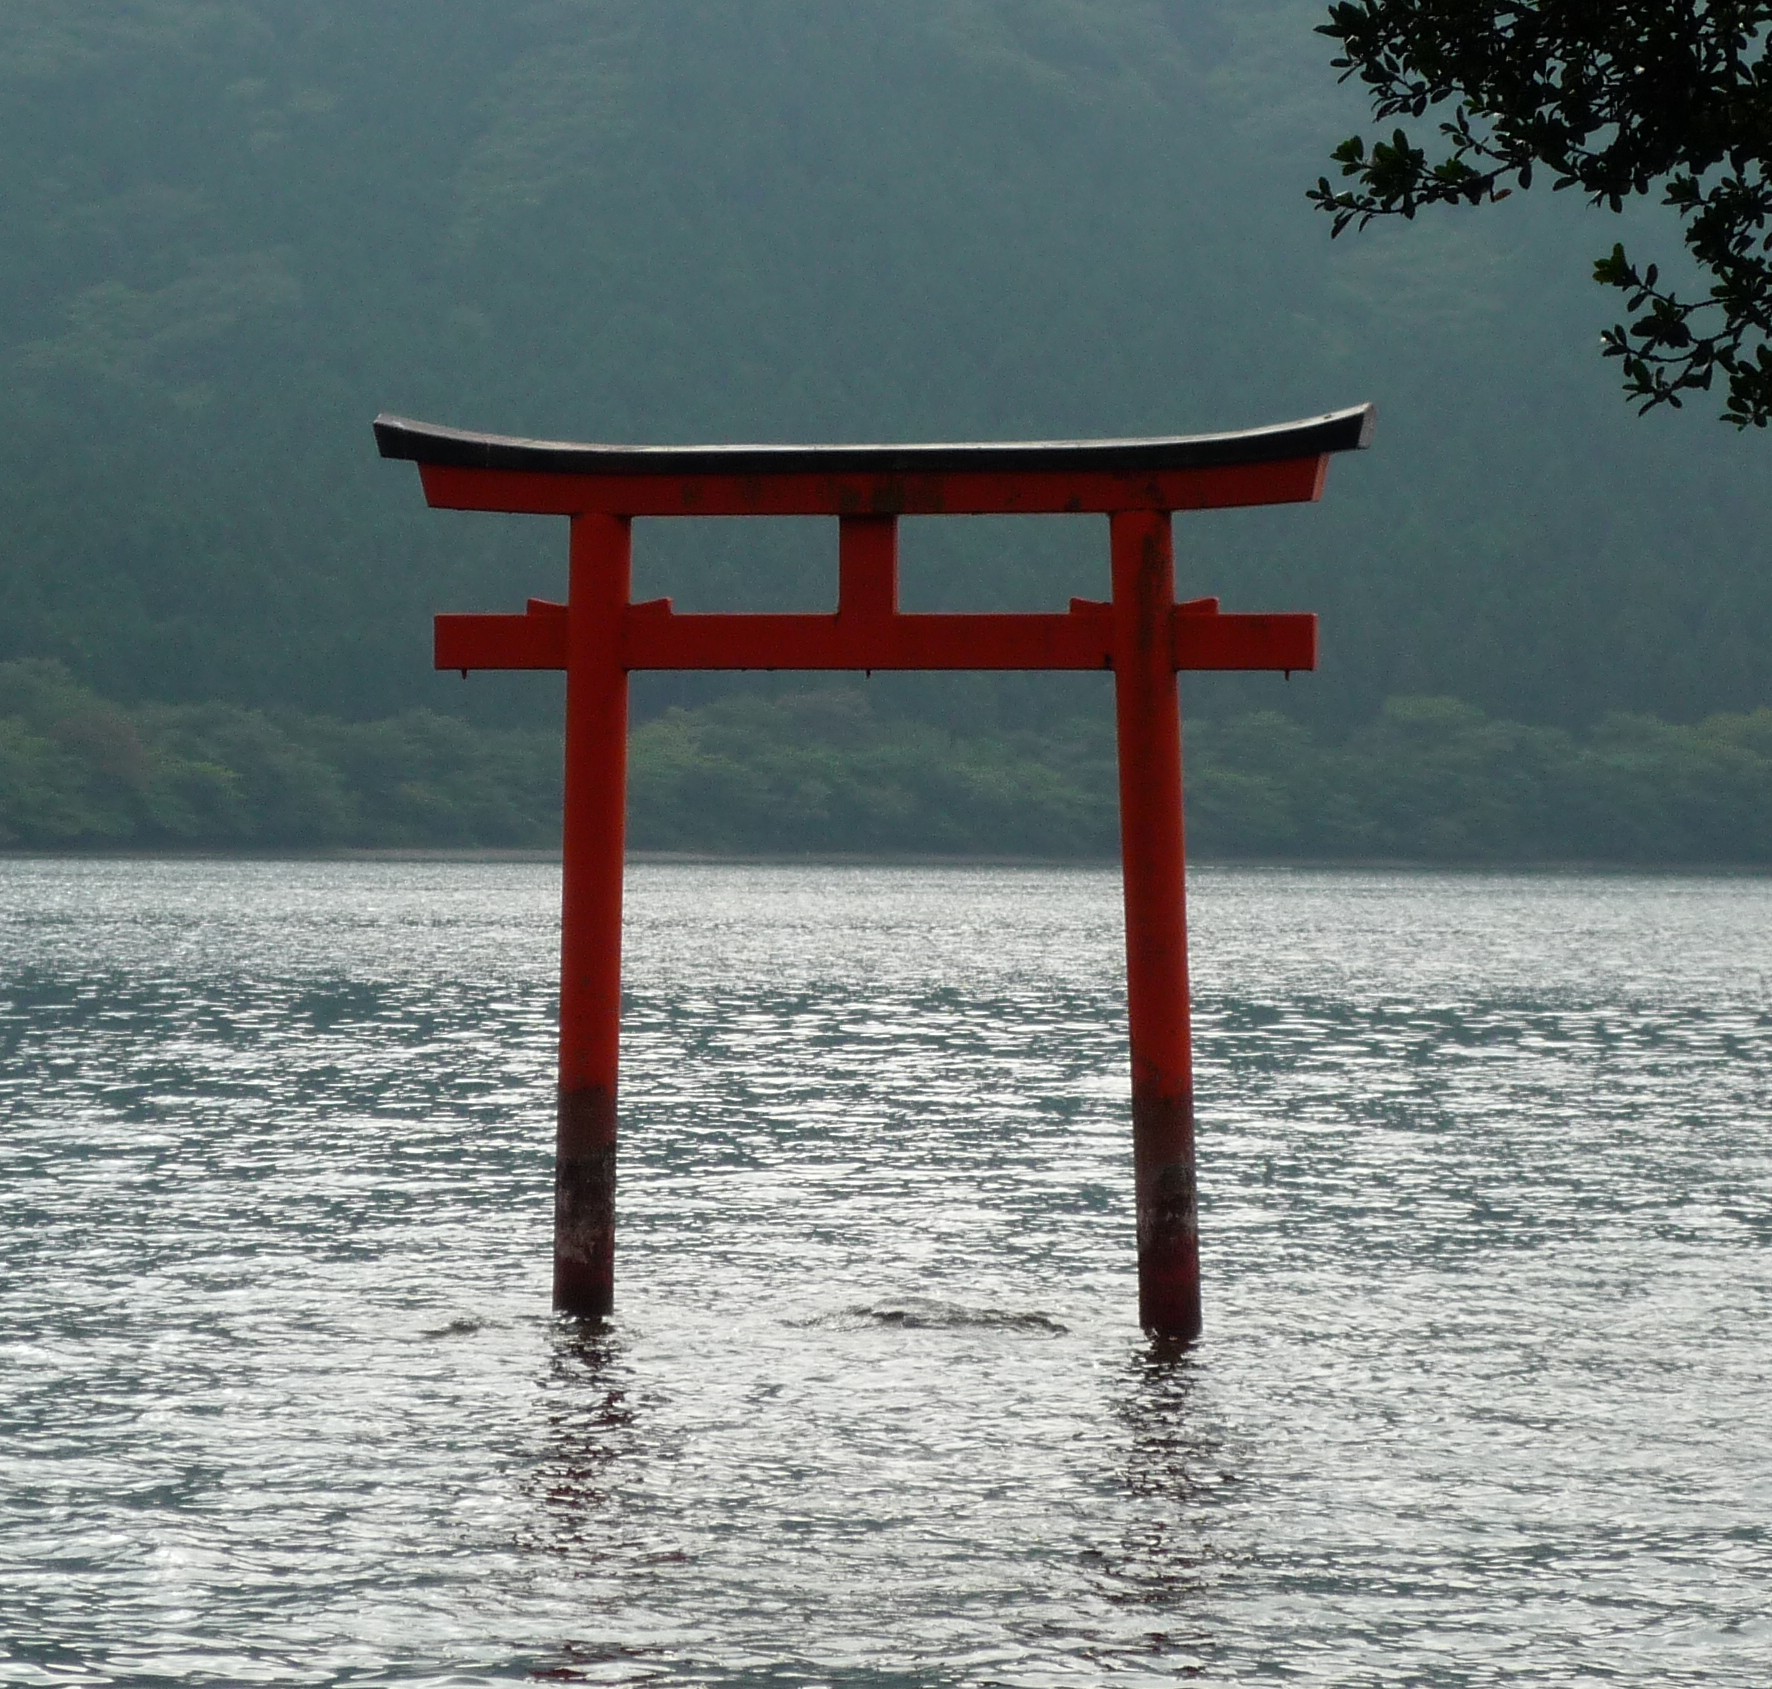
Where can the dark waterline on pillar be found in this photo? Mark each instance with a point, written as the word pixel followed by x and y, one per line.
pixel 584 1204
pixel 1168 1218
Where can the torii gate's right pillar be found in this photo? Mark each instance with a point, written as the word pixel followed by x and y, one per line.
pixel 1153 855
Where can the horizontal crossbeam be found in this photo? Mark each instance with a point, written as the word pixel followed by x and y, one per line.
pixel 653 636
pixel 1055 493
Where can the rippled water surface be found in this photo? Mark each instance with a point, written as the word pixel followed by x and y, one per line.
pixel 1487 1216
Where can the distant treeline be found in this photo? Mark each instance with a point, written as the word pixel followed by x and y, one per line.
pixel 1429 779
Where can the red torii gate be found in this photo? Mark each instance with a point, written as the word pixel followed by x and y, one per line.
pixel 1142 635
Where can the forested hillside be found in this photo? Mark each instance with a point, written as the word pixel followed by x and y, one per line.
pixel 234 230
pixel 819 771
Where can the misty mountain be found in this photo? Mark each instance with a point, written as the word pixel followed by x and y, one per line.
pixel 234 230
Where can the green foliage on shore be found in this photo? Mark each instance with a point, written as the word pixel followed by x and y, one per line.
pixel 1429 779
pixel 77 772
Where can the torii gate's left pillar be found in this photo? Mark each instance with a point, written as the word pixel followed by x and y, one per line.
pixel 1153 859
pixel 590 975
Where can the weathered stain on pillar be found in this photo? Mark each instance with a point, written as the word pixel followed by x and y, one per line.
pixel 1168 1216
pixel 584 1204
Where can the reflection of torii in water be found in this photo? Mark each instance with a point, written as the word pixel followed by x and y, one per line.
pixel 1142 635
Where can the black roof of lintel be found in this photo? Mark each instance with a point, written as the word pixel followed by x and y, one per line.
pixel 427 443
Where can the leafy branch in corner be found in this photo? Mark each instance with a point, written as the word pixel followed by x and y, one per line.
pixel 1615 98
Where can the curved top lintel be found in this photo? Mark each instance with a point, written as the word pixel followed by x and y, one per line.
pixel 427 443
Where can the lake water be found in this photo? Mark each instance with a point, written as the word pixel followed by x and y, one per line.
pixel 1486 1395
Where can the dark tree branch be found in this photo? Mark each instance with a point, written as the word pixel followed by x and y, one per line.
pixel 1615 98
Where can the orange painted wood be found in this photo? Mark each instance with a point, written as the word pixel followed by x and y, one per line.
pixel 501 642
pixel 961 493
pixel 1148 718
pixel 590 923
pixel 651 638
